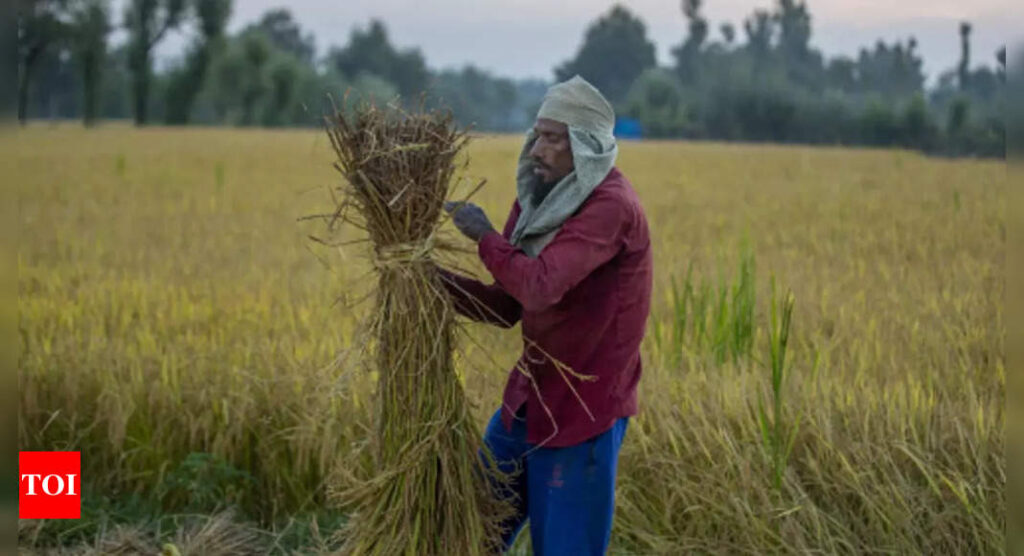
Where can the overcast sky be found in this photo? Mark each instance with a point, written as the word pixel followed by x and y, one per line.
pixel 527 38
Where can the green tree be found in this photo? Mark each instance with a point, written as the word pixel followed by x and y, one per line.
pixel 240 78
pixel 90 27
pixel 794 23
pixel 959 116
pixel 879 124
pixel 9 64
pixel 255 52
pixel 688 54
pixel 760 32
pixel 226 83
pixel 56 84
pixel 285 34
pixel 842 74
pixel 114 95
pixel 282 74
pixel 369 87
pixel 186 82
pixel 42 24
pixel 309 96
pixel 477 99
pixel 370 52
pixel 1001 59
pixel 728 33
pixel 803 64
pixel 890 70
pixel 147 22
pixel 918 128
pixel 615 51
pixel 964 68
pixel 656 101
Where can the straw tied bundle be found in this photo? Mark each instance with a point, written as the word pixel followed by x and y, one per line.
pixel 431 493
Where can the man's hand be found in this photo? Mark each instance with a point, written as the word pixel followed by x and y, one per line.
pixel 469 219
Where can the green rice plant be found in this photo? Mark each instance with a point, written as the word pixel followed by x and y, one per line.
pixel 710 319
pixel 777 434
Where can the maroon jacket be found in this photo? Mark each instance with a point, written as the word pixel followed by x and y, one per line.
pixel 583 301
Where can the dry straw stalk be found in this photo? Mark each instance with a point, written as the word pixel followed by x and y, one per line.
pixel 429 493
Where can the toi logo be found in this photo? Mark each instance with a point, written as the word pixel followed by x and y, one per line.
pixel 50 485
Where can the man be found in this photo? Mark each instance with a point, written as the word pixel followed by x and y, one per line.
pixel 574 265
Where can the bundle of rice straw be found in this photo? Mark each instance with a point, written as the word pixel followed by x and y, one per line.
pixel 430 494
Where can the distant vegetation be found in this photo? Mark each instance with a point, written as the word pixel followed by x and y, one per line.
pixel 761 80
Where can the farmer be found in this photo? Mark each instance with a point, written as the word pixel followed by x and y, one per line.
pixel 574 265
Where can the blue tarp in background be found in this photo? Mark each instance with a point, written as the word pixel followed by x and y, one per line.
pixel 628 128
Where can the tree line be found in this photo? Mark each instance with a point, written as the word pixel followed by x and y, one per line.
pixel 266 74
pixel 761 81
pixel 773 85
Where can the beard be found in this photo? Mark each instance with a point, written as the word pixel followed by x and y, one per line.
pixel 541 187
pixel 544 175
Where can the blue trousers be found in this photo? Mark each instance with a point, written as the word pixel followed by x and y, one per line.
pixel 567 494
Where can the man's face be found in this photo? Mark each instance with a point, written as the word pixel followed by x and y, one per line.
pixel 551 153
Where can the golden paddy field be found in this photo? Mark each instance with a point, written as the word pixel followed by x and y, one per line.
pixel 178 327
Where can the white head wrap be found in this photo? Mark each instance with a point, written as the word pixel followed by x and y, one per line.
pixel 590 119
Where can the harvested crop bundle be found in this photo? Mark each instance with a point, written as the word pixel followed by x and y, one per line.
pixel 430 494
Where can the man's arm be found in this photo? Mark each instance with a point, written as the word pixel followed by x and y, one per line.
pixel 585 242
pixel 481 302
pixel 476 300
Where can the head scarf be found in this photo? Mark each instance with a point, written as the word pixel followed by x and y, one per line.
pixel 590 119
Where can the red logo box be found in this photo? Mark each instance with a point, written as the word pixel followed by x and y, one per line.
pixel 50 485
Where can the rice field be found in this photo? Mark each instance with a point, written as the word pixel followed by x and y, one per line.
pixel 180 329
